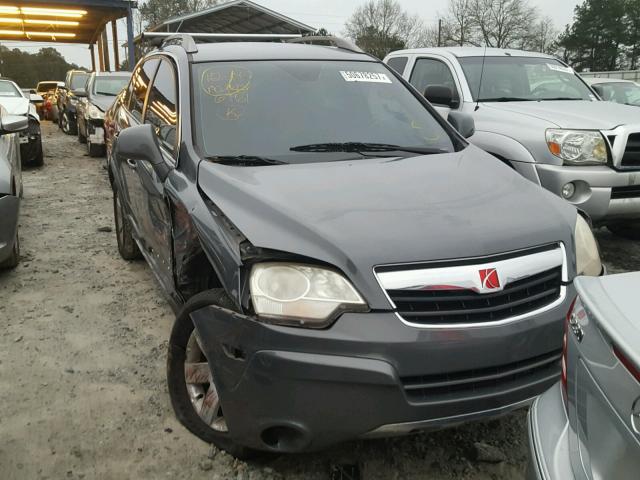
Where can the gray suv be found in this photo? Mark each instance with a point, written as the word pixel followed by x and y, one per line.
pixel 343 262
pixel 535 114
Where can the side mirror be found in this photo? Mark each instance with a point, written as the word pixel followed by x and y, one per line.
pixel 140 143
pixel 35 98
pixel 463 123
pixel 79 92
pixel 13 124
pixel 441 95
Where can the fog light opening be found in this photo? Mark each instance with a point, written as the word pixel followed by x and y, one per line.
pixel 568 190
pixel 284 438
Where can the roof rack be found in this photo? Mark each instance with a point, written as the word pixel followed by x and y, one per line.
pixel 188 40
pixel 335 41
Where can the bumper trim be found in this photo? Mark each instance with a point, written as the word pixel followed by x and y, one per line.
pixel 398 429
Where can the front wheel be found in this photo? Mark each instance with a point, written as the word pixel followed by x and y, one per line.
pixel 14 258
pixel 191 381
pixel 127 246
pixel 629 230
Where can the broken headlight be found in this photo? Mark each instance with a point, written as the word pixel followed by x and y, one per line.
pixel 302 295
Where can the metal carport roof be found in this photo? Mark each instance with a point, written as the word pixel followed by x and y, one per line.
pixel 238 16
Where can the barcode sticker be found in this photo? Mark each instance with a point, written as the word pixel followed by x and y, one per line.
pixel 370 77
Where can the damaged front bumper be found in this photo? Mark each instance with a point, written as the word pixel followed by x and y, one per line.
pixel 95 131
pixel 289 389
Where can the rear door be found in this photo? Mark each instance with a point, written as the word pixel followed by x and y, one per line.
pixel 604 394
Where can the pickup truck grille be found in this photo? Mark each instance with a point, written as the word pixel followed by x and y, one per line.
pixel 466 306
pixel 482 382
pixel 631 157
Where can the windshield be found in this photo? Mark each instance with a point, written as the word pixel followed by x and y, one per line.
pixel 619 92
pixel 46 86
pixel 267 108
pixel 109 85
pixel 78 80
pixel 8 89
pixel 523 79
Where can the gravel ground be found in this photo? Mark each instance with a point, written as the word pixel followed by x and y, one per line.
pixel 82 361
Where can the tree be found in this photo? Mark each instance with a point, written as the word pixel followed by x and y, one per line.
pixel 381 26
pixel 154 12
pixel 27 69
pixel 458 27
pixel 502 23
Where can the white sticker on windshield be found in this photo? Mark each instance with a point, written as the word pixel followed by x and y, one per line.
pixel 560 68
pixel 370 77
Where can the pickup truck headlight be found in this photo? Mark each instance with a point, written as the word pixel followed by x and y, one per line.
pixel 577 147
pixel 95 113
pixel 587 251
pixel 302 295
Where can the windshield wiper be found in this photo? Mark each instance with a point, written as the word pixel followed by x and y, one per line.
pixel 245 160
pixel 358 147
pixel 506 99
pixel 561 98
pixel 109 94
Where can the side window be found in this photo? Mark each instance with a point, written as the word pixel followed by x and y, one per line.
pixel 140 81
pixel 428 72
pixel 398 64
pixel 162 108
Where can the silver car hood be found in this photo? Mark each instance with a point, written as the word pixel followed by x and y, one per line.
pixel 572 113
pixel 15 105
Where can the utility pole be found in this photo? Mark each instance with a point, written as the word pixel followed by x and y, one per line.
pixel 439 32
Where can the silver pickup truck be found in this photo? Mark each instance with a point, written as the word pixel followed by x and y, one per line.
pixel 536 114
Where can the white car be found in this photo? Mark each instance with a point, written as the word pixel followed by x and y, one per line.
pixel 16 102
pixel 616 90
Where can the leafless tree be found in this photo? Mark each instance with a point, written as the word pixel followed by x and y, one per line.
pixel 458 27
pixel 379 26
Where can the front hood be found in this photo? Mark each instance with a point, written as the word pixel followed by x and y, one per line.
pixel 103 102
pixel 358 214
pixel 573 114
pixel 15 105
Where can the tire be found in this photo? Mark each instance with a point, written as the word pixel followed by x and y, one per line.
pixel 94 150
pixel 38 159
pixel 629 230
pixel 68 126
pixel 127 246
pixel 81 137
pixel 31 153
pixel 14 259
pixel 180 344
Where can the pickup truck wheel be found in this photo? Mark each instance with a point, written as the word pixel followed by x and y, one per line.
pixel 13 260
pixel 191 381
pixel 127 246
pixel 629 230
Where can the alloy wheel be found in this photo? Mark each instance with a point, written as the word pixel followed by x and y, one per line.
pixel 200 386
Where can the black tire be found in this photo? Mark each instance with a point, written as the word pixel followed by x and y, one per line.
pixel 31 153
pixel 14 259
pixel 127 246
pixel 68 125
pixel 176 356
pixel 629 230
pixel 94 150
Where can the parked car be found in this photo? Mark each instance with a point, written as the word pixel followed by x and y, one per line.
pixel 10 186
pixel 588 425
pixel 43 89
pixel 343 262
pixel 535 114
pixel 17 103
pixel 616 90
pixel 101 91
pixel 75 83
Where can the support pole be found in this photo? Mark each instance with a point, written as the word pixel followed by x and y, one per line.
pixel 93 57
pixel 130 47
pixel 116 52
pixel 101 53
pixel 105 50
pixel 440 32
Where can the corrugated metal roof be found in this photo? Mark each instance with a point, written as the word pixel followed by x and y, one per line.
pixel 238 16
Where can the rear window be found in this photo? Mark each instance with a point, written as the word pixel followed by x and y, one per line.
pixel 398 63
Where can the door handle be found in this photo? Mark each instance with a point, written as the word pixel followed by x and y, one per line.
pixel 131 163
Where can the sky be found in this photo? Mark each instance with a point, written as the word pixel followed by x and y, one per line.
pixel 330 14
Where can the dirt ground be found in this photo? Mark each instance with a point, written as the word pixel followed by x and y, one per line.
pixel 82 361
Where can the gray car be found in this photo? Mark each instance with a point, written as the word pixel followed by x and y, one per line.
pixel 588 425
pixel 10 186
pixel 343 262
pixel 535 114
